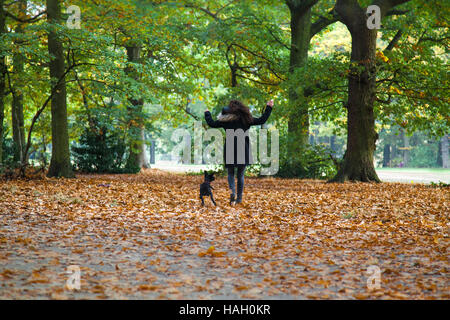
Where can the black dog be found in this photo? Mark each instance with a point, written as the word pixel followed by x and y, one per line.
pixel 205 187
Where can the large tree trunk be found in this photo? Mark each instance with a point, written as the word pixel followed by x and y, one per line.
pixel 17 118
pixel 137 156
pixel 444 151
pixel 359 158
pixel 60 162
pixel 298 122
pixel 2 80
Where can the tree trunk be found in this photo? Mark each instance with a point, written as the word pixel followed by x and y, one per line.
pixel 405 148
pixel 234 82
pixel 60 165
pixel 298 122
pixel 444 151
pixel 152 152
pixel 359 158
pixel 144 161
pixel 18 131
pixel 333 145
pixel 2 80
pixel 17 118
pixel 386 155
pixel 137 157
pixel 439 154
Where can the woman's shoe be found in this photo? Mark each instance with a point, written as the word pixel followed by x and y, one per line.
pixel 232 199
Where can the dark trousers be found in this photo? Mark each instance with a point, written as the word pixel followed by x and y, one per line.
pixel 240 180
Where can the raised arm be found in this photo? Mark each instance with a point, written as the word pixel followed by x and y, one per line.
pixel 261 120
pixel 210 121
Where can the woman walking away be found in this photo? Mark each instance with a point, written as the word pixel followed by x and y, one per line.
pixel 237 116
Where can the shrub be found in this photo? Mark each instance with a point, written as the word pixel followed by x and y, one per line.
pixel 315 163
pixel 101 151
pixel 8 165
pixel 8 152
pixel 424 156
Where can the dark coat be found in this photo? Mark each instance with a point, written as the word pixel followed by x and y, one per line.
pixel 231 121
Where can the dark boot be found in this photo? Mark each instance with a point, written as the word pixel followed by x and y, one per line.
pixel 239 195
pixel 232 199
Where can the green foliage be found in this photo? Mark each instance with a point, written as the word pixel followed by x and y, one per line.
pixel 101 151
pixel 8 153
pixel 423 150
pixel 439 184
pixel 315 163
pixel 253 170
pixel 424 156
pixel 412 85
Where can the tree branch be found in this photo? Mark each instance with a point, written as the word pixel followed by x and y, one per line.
pixel 386 5
pixel 278 40
pixel 433 39
pixel 394 41
pixel 207 11
pixel 29 20
pixel 300 5
pixel 257 81
pixel 348 10
pixel 39 112
pixel 186 109
pixel 324 22
pixel 350 13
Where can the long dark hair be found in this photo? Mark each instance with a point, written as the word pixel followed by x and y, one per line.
pixel 240 109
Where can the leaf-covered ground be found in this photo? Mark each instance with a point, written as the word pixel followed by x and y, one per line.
pixel 146 237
